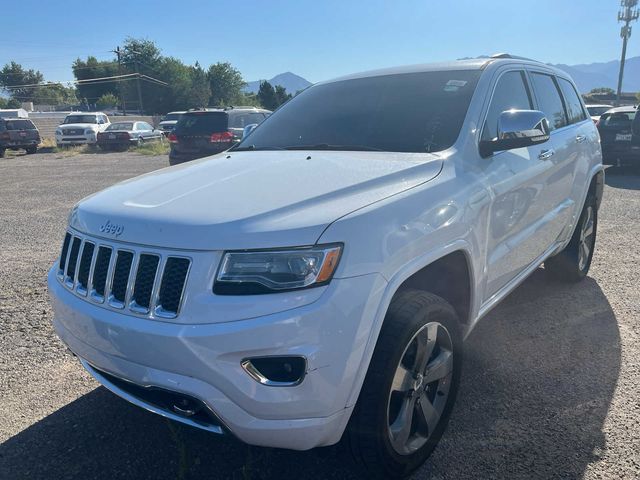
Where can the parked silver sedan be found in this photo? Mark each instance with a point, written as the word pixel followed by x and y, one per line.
pixel 121 135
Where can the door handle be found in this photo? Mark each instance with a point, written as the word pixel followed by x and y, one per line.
pixel 546 154
pixel 580 138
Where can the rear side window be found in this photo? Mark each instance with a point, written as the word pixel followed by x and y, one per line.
pixel 549 100
pixel 510 93
pixel 241 120
pixel 572 101
pixel 202 123
pixel 20 125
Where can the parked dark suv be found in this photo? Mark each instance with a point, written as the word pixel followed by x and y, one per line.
pixel 17 133
pixel 620 136
pixel 200 133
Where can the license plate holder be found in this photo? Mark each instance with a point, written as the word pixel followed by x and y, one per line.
pixel 623 137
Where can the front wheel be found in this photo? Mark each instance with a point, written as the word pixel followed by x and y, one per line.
pixel 410 387
pixel 572 264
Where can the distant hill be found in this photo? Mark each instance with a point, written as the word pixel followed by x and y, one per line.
pixel 593 75
pixel 290 81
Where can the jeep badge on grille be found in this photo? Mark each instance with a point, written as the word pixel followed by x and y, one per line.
pixel 111 228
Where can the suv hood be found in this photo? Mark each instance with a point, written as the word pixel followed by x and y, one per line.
pixel 78 125
pixel 249 199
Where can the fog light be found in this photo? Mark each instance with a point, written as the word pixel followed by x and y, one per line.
pixel 276 371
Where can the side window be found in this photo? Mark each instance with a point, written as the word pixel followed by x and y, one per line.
pixel 549 100
pixel 511 92
pixel 572 101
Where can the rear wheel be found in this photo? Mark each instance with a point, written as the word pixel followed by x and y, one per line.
pixel 410 388
pixel 31 150
pixel 2 150
pixel 572 264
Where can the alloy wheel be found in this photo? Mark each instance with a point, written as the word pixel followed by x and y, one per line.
pixel 585 244
pixel 420 388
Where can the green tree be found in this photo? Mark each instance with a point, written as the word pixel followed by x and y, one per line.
pixel 226 84
pixel 638 96
pixel 603 90
pixel 281 95
pixel 267 96
pixel 14 74
pixel 9 103
pixel 108 100
pixel 55 94
pixel 94 68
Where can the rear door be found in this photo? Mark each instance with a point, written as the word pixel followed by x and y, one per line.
pixel 194 129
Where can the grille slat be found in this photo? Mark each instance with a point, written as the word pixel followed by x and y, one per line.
pixel 65 250
pixel 70 274
pixel 121 273
pixel 100 270
pixel 145 278
pixel 172 285
pixel 85 266
pixel 145 283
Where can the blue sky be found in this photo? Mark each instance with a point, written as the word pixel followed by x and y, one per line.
pixel 317 39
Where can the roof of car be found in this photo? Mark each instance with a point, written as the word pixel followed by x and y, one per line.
pixel 462 64
pixel 598 105
pixel 229 110
pixel 86 113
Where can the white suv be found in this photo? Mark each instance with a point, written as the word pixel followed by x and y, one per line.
pixel 81 128
pixel 318 279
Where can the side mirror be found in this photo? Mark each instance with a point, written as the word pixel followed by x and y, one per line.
pixel 248 129
pixel 517 129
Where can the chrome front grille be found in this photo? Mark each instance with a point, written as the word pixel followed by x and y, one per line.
pixel 145 283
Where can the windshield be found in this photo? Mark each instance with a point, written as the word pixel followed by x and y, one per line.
pixel 121 126
pixel 80 119
pixel 172 116
pixel 597 111
pixel 410 112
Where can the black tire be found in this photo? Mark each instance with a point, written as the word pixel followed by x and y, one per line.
pixel 568 265
pixel 370 429
pixel 31 150
pixel 2 150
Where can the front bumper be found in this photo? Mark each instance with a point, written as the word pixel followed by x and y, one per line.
pixel 85 139
pixel 204 360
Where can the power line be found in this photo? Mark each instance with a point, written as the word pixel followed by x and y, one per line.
pixel 627 14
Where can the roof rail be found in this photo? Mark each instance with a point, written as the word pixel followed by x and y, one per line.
pixel 231 107
pixel 508 55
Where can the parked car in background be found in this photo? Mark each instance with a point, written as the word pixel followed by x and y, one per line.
pixel 200 133
pixel 122 135
pixel 168 122
pixel 18 133
pixel 620 145
pixel 595 110
pixel 81 128
pixel 318 280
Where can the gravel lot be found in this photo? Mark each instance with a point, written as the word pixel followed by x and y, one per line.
pixel 551 385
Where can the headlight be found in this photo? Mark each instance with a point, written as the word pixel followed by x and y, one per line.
pixel 58 132
pixel 88 131
pixel 270 271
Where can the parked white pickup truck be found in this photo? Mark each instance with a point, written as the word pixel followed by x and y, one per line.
pixel 317 280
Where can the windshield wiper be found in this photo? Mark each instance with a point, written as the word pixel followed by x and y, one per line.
pixel 327 146
pixel 253 147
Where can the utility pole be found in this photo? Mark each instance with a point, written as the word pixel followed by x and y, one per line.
pixel 124 107
pixel 627 14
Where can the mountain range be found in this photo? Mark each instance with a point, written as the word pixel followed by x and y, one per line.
pixel 594 75
pixel 587 77
pixel 290 81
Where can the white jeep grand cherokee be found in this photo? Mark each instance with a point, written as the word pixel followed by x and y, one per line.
pixel 317 280
pixel 81 128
